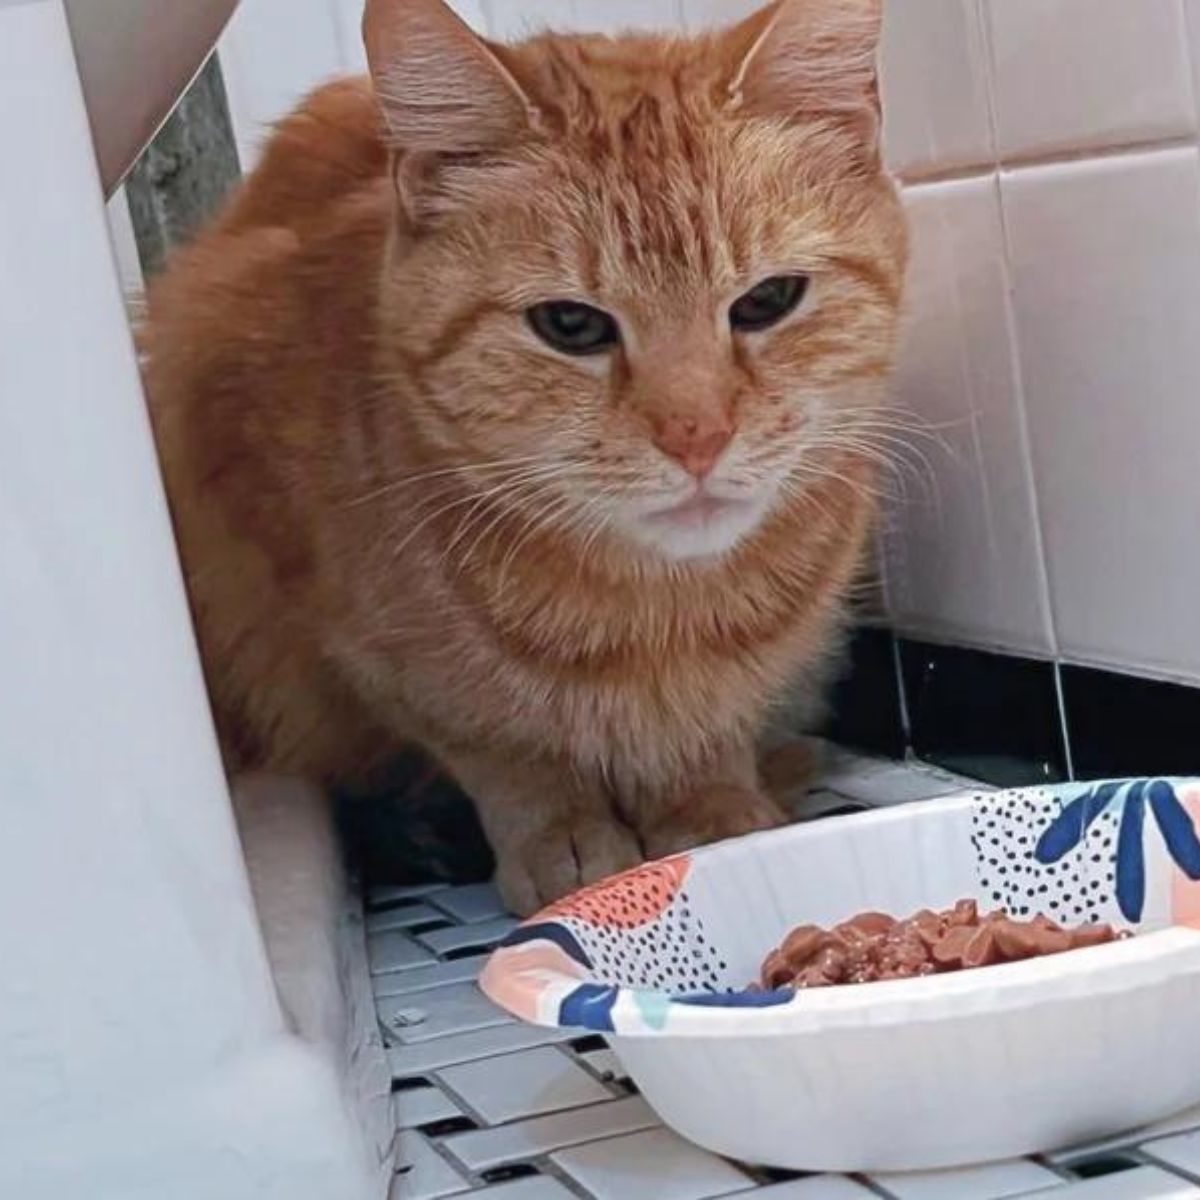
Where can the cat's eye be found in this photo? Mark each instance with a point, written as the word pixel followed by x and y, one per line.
pixel 767 303
pixel 573 328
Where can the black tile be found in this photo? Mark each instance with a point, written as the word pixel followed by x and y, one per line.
pixel 508 1172
pixel 1111 1164
pixel 448 1127
pixel 588 1043
pixel 993 717
pixel 412 1083
pixel 865 702
pixel 1121 726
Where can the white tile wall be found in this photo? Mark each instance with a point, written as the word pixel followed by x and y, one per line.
pixel 963 555
pixel 1106 278
pixel 1073 75
pixel 1050 152
pixel 934 78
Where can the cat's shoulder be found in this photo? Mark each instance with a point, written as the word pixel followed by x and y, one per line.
pixel 327 150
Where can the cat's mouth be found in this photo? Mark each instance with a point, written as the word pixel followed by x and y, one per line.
pixel 699 510
pixel 701 525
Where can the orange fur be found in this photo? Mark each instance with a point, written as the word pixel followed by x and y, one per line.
pixel 405 519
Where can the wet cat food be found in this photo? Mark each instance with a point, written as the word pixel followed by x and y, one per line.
pixel 874 946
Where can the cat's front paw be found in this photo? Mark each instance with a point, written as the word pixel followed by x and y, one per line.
pixel 707 815
pixel 551 863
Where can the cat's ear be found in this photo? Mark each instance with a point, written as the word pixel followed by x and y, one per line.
pixel 443 89
pixel 808 59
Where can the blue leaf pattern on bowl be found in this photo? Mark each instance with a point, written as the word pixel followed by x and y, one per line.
pixel 1070 828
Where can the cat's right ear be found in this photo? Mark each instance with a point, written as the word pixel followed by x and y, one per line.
pixel 443 89
pixel 805 59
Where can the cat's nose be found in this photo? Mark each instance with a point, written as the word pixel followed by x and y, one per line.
pixel 695 443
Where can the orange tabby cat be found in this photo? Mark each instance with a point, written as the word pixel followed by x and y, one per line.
pixel 517 406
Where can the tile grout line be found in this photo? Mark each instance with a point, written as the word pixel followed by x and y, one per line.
pixel 1016 366
pixel 1063 721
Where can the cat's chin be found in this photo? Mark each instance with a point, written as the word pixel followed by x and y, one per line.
pixel 703 527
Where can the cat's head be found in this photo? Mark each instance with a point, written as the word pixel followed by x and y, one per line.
pixel 647 286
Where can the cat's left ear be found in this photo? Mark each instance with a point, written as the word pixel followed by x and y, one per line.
pixel 443 89
pixel 808 59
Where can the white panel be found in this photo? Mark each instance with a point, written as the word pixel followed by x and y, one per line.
pixel 347 20
pixel 511 20
pixel 273 53
pixel 709 14
pixel 129 266
pixel 1076 74
pixel 963 557
pixel 1191 13
pixel 1106 271
pixel 621 16
pixel 935 86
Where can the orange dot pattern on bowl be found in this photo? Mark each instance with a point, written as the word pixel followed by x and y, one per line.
pixel 628 901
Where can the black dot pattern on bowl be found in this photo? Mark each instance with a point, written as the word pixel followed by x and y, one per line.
pixel 670 954
pixel 1005 831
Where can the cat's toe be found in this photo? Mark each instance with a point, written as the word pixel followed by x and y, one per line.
pixel 711 815
pixel 559 860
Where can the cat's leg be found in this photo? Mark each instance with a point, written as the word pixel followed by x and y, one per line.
pixel 551 831
pixel 724 799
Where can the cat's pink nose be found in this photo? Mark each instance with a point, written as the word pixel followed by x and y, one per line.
pixel 693 442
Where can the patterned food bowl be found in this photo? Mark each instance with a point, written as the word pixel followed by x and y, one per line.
pixel 910 1074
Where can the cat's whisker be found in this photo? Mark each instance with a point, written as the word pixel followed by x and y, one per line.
pixel 537 475
pixel 534 488
pixel 499 466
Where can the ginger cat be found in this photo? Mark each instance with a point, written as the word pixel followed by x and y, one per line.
pixel 520 406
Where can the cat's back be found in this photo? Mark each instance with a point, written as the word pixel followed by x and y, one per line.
pixel 281 279
pixel 328 149
pixel 256 339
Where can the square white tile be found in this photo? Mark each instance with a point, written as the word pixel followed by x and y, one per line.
pixel 1071 75
pixel 656 1165
pixel 993 1181
pixel 414 1107
pixel 459 1008
pixel 962 551
pixel 540 1187
pixel 389 893
pixel 1142 1183
pixel 715 14
pixel 514 20
pixel 1191 14
pixel 419 1058
pixel 482 1149
pixel 404 917
pixel 1106 278
pixel 934 83
pixel 819 1187
pixel 1181 1152
pixel 464 937
pixel 605 1063
pixel 420 979
pixel 422 1173
pixel 468 905
pixel 395 951
pixel 536 1081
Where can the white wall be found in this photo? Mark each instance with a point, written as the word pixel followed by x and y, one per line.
pixel 1049 151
